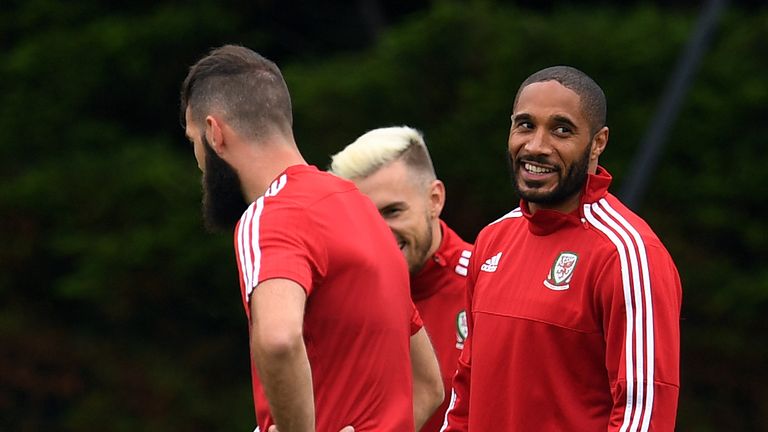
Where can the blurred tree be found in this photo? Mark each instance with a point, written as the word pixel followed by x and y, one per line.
pixel 112 295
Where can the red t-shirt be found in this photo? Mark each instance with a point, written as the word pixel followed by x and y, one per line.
pixel 574 323
pixel 322 233
pixel 439 292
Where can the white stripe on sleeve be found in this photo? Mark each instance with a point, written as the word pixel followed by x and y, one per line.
pixel 255 248
pixel 650 343
pixel 629 364
pixel 243 244
pixel 248 243
pixel 636 287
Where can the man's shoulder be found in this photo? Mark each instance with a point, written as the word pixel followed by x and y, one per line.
pixel 303 186
pixel 308 177
pixel 513 216
pixel 612 218
pixel 285 199
pixel 510 221
pixel 499 232
pixel 622 231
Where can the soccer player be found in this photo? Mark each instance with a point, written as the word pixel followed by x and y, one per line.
pixel 393 167
pixel 333 331
pixel 574 302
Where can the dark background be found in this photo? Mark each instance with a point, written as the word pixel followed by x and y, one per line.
pixel 118 312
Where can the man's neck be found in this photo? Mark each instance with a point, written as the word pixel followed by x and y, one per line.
pixel 566 206
pixel 263 164
pixel 437 237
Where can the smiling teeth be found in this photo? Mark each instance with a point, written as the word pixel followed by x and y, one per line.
pixel 537 170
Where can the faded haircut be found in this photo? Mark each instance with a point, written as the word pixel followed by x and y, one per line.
pixel 246 89
pixel 379 147
pixel 592 98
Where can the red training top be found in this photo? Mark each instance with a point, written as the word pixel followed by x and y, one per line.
pixel 319 231
pixel 439 292
pixel 574 323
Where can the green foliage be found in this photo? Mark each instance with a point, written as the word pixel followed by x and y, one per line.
pixel 117 311
pixel 453 73
pixel 117 308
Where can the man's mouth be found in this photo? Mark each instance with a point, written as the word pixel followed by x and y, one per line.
pixel 537 169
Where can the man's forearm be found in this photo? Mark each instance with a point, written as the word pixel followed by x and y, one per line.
pixel 423 406
pixel 287 380
pixel 428 392
pixel 277 315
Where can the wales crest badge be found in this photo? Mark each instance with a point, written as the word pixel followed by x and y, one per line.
pixel 560 274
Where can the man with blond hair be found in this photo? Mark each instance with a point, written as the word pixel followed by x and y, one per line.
pixel 393 167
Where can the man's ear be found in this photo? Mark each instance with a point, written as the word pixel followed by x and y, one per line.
pixel 598 144
pixel 436 198
pixel 213 134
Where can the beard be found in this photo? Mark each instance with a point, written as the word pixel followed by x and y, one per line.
pixel 419 249
pixel 223 202
pixel 569 184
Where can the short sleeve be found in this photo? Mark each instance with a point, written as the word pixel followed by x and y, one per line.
pixel 275 240
pixel 416 322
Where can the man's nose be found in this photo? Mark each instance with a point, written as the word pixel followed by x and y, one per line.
pixel 538 143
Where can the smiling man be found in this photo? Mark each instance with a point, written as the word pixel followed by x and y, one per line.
pixel 393 167
pixel 574 302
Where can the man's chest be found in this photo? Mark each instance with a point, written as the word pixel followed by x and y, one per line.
pixel 548 279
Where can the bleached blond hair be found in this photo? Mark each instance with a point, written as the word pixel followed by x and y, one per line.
pixel 379 147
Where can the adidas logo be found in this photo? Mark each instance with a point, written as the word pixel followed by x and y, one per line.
pixel 491 263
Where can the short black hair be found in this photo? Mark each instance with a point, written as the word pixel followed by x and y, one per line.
pixel 247 89
pixel 592 97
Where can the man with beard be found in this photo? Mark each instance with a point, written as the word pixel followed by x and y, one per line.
pixel 392 166
pixel 574 303
pixel 334 335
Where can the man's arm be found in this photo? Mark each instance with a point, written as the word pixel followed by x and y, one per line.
pixel 457 414
pixel 428 392
pixel 277 317
pixel 643 342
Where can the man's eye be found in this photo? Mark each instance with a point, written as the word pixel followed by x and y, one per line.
pixel 562 130
pixel 525 125
pixel 390 212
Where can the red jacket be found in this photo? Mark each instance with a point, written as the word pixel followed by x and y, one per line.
pixel 439 292
pixel 574 323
